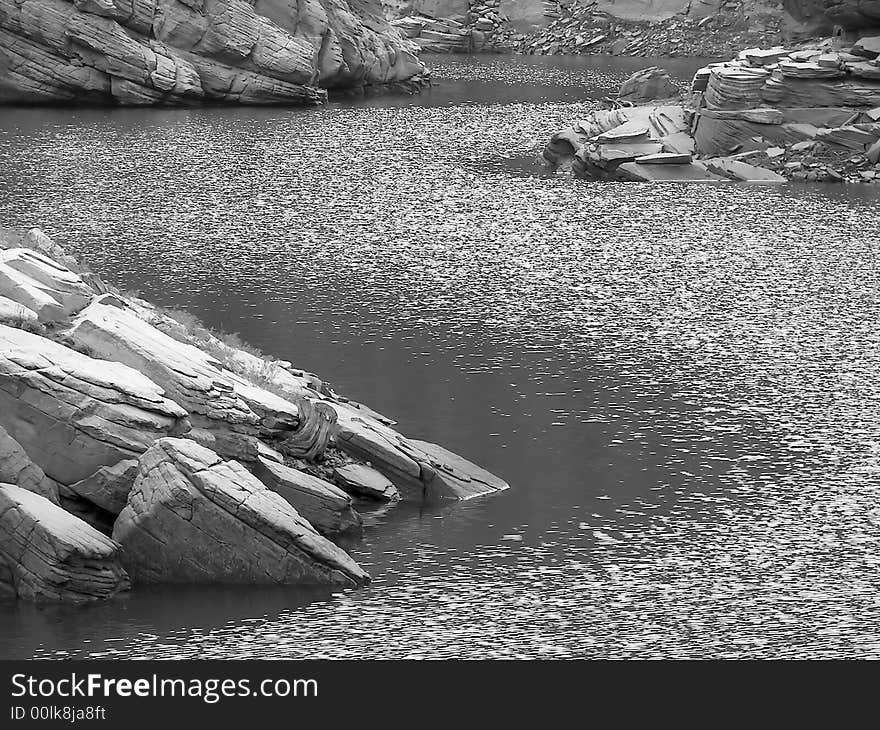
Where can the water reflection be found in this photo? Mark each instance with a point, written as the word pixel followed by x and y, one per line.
pixel 679 381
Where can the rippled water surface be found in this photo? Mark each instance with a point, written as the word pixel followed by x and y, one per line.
pixel 680 382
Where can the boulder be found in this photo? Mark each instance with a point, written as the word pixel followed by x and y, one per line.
pixel 192 517
pixel 47 554
pixel 17 468
pixel 38 283
pixel 742 171
pixel 168 52
pixel 73 414
pixel 325 506
pixel 364 481
pixel 646 85
pixel 108 487
pixel 416 468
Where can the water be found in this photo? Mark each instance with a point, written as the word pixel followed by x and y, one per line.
pixel 680 382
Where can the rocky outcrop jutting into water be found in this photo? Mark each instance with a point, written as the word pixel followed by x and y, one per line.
pixel 204 461
pixel 769 115
pixel 173 52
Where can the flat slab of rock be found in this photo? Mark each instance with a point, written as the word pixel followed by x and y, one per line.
pixel 47 554
pixel 742 171
pixel 665 158
pixel 692 172
pixel 73 414
pixel 627 132
pixel 324 505
pixel 365 481
pixel 192 517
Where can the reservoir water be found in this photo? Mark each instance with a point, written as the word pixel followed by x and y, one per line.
pixel 680 382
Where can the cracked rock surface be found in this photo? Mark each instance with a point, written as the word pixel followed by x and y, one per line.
pixel 194 518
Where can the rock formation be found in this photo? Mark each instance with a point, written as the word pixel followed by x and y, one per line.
pixel 194 518
pixel 73 414
pixel 174 52
pixel 325 506
pixel 768 115
pixel 47 554
pixel 94 388
pixel 17 468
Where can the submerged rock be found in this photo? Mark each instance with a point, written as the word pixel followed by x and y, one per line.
pixel 324 505
pixel 47 554
pixel 73 414
pixel 172 53
pixel 192 517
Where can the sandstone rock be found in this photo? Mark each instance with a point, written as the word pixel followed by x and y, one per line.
pixel 739 170
pixel 43 286
pixel 850 137
pixel 47 554
pixel 795 70
pixel 73 414
pixel 325 506
pixel 413 466
pixel 365 481
pixel 194 518
pixel 17 468
pixel 171 53
pixel 630 131
pixel 765 57
pixel 868 46
pixel 17 315
pixel 647 85
pixel 735 88
pixel 109 486
pixel 665 158
pixel 228 413
pixel 782 91
pixel 694 172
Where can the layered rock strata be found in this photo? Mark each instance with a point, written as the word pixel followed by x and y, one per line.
pixel 176 52
pixel 769 115
pixel 192 517
pixel 47 554
pixel 203 459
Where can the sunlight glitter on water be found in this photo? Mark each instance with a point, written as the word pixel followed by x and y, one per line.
pixel 679 382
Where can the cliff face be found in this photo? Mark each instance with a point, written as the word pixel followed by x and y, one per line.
pixel 145 52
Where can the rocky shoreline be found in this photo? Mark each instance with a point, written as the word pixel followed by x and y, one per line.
pixel 184 53
pixel 136 447
pixel 712 29
pixel 776 114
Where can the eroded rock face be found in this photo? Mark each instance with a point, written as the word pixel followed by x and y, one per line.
pixel 649 84
pixel 228 412
pixel 108 487
pixel 194 518
pixel 17 468
pixel 72 413
pixel 36 282
pixel 47 554
pixel 173 52
pixel 325 506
